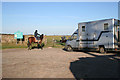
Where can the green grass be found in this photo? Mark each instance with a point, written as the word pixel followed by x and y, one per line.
pixel 0 46
pixel 50 43
pixel 56 44
pixel 13 45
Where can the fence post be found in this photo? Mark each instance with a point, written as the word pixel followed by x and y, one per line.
pixel 53 42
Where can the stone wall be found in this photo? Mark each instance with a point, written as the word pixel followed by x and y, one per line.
pixel 9 38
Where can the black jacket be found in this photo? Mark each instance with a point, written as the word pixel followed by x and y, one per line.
pixel 35 34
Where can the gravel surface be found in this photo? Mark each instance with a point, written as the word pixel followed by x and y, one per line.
pixel 57 63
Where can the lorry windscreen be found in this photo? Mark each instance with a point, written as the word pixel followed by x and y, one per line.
pixel 74 36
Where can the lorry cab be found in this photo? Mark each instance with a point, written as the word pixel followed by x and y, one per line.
pixel 72 41
pixel 102 35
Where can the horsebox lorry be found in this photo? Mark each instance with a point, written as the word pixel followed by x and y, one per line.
pixel 102 35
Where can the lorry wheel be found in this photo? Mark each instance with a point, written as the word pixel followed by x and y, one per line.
pixel 102 50
pixel 69 48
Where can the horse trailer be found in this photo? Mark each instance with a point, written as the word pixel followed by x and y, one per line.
pixel 102 35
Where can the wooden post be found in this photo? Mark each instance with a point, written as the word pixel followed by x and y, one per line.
pixel 53 42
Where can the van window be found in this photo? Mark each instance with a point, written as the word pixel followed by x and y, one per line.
pixel 83 28
pixel 106 26
pixel 74 36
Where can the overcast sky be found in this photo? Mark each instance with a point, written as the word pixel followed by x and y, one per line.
pixel 53 18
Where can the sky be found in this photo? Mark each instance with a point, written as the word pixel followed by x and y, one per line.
pixel 53 18
pixel 119 10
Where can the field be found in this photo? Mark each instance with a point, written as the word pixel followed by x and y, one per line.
pixel 52 41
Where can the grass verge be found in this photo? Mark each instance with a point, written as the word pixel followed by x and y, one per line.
pixel 13 45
